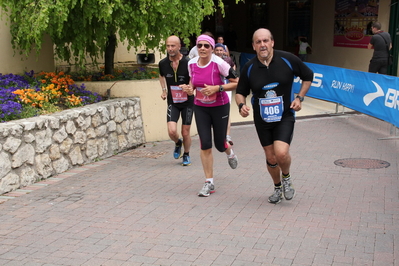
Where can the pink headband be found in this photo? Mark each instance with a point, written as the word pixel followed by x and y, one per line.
pixel 207 38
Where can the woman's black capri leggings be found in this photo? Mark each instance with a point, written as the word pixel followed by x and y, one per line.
pixel 216 117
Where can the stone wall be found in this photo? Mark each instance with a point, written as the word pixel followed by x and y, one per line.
pixel 37 148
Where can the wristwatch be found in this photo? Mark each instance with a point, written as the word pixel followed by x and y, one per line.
pixel 221 88
pixel 300 98
pixel 240 106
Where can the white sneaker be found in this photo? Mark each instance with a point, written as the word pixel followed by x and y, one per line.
pixel 233 161
pixel 207 189
pixel 229 140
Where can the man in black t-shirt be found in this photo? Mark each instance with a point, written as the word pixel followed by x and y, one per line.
pixel 173 72
pixel 269 77
pixel 381 42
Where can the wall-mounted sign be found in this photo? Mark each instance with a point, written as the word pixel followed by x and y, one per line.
pixel 353 20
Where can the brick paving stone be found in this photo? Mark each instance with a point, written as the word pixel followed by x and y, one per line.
pixel 342 260
pixel 132 210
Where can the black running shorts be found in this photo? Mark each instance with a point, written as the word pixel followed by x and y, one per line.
pixel 270 132
pixel 174 112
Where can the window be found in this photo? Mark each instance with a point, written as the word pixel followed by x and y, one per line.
pixel 299 21
pixel 258 13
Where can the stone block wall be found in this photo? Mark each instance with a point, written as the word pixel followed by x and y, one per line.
pixel 37 148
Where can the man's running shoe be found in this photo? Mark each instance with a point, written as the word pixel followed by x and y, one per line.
pixel 288 189
pixel 233 161
pixel 276 196
pixel 229 140
pixel 177 151
pixel 186 160
pixel 207 189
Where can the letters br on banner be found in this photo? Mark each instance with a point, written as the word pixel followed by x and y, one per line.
pixel 369 93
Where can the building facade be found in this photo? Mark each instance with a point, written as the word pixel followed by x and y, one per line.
pixel 323 22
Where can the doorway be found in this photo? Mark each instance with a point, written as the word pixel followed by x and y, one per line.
pixel 394 32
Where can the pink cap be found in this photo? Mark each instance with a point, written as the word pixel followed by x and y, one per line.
pixel 207 38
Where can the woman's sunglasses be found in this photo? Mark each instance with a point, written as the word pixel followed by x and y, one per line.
pixel 207 46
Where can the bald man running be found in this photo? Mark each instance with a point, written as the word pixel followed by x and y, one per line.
pixel 173 71
pixel 268 77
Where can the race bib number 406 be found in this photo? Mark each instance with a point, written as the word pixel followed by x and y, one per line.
pixel 271 109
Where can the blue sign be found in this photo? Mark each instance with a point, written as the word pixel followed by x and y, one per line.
pixel 369 93
pixel 245 57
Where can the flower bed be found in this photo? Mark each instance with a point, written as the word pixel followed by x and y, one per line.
pixel 30 94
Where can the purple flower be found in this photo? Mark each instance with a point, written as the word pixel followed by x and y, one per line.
pixel 10 109
pixel 88 97
pixel 10 105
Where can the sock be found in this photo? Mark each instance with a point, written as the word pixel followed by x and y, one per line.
pixel 210 180
pixel 231 154
pixel 179 142
pixel 278 185
pixel 286 175
pixel 186 153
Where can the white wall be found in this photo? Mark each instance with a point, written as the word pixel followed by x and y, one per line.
pixel 123 55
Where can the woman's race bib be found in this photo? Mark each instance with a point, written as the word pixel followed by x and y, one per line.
pixel 178 95
pixel 271 109
pixel 205 98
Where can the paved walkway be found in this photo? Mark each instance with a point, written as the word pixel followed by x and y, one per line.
pixel 141 207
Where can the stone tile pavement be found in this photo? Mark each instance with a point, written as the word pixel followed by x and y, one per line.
pixel 141 207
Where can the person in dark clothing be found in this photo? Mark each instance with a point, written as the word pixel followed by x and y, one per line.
pixel 381 42
pixel 173 72
pixel 268 77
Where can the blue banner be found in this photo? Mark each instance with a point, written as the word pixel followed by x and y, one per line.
pixel 372 94
pixel 245 57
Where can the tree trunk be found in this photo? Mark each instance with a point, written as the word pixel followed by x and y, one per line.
pixel 109 54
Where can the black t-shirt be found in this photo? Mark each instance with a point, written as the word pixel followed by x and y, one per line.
pixel 257 78
pixel 173 79
pixel 380 46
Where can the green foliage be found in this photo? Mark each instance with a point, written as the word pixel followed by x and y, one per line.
pixel 119 74
pixel 80 28
pixel 27 111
